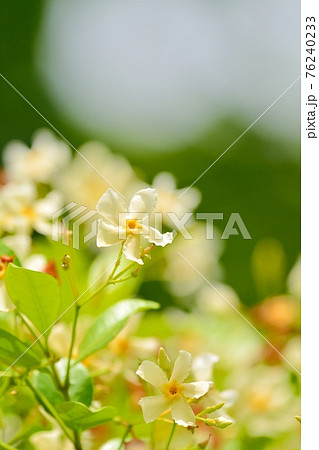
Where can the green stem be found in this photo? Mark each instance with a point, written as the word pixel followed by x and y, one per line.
pixel 128 267
pixel 117 262
pixel 126 433
pixel 110 279
pixel 32 332
pixel 46 404
pixel 120 280
pixel 170 436
pixel 75 320
pixel 77 440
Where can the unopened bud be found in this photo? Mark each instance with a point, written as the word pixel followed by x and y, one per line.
pixel 164 361
pixel 66 262
pixel 213 408
pixel 219 422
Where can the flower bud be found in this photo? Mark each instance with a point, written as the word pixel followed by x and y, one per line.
pixel 163 361
pixel 213 408
pixel 66 262
pixel 219 422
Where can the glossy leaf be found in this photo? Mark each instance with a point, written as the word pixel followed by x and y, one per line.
pixel 79 417
pixel 45 385
pixel 81 385
pixel 110 323
pixel 35 294
pixel 12 348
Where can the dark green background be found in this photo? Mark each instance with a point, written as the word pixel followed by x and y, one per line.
pixel 264 189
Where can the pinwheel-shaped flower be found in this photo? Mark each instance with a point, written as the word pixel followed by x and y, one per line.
pixel 173 391
pixel 129 224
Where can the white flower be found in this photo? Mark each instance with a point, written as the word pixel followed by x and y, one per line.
pixel 81 183
pixel 129 224
pixel 173 200
pixel 22 211
pixel 174 392
pixel 45 158
pixel 202 369
pixel 203 253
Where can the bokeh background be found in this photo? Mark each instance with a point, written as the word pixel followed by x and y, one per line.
pixel 171 85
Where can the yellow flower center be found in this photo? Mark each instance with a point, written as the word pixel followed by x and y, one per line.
pixel 173 389
pixel 29 212
pixel 132 224
pixel 260 402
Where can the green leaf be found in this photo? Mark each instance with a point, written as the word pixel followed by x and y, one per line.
pixel 5 250
pixel 45 385
pixel 81 385
pixel 4 446
pixel 79 417
pixel 11 348
pixel 35 294
pixel 110 323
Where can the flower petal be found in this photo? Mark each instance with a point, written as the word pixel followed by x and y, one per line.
pixel 181 367
pixel 182 413
pixel 203 366
pixel 144 201
pixel 132 248
pixel 152 373
pixel 156 237
pixel 110 206
pixel 196 389
pixel 154 406
pixel 107 234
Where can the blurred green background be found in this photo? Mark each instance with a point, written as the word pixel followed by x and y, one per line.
pixel 256 178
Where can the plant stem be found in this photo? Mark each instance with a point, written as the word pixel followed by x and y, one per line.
pixel 111 277
pixel 131 264
pixel 32 332
pixel 77 440
pixel 170 436
pixel 126 433
pixel 45 403
pixel 75 320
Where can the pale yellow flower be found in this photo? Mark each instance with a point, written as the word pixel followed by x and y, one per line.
pixel 173 200
pixel 39 163
pixel 173 391
pixel 81 183
pixel 129 223
pixel 22 210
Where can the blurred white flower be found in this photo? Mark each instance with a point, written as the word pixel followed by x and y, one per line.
pixel 174 392
pixel 202 366
pixel 41 162
pixel 50 440
pixel 129 224
pixel 203 253
pixel 202 369
pixel 81 184
pixel 211 301
pixel 168 197
pixel 270 403
pixel 22 210
pixel 126 344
